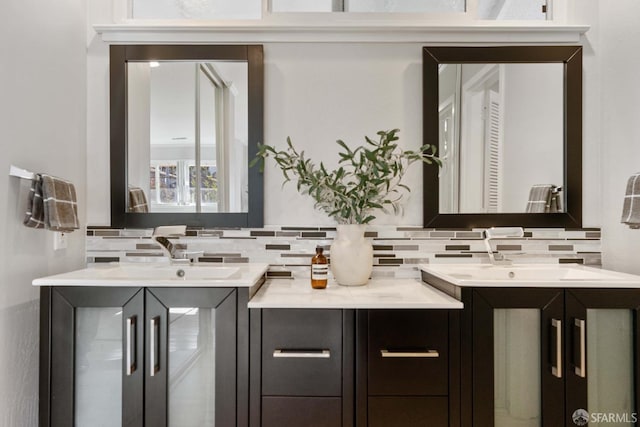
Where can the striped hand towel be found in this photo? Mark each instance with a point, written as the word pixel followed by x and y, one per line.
pixel 34 218
pixel 137 200
pixel 52 204
pixel 539 198
pixel 60 205
pixel 631 207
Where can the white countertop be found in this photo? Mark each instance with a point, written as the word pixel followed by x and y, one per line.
pixel 160 275
pixel 530 275
pixel 378 293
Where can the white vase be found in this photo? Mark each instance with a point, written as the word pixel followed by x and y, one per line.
pixel 351 256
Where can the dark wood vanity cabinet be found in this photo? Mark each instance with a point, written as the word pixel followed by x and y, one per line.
pixel 544 354
pixel 330 368
pixel 407 368
pixel 143 356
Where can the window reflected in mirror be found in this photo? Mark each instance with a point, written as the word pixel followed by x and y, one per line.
pixel 501 137
pixel 187 136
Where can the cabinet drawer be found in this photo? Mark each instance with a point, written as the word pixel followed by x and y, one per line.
pixel 301 352
pixel 408 411
pixel 301 411
pixel 408 352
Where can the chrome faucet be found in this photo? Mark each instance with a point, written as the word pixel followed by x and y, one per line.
pixel 161 236
pixel 500 232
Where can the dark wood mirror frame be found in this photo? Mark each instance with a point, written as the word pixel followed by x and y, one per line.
pixel 571 57
pixel 119 56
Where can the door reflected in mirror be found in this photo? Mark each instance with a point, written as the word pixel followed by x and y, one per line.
pixel 501 137
pixel 187 136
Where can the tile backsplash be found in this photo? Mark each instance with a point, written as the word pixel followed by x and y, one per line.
pixel 397 250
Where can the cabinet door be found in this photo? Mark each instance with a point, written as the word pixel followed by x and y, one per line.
pixel 91 357
pixel 190 350
pixel 603 370
pixel 518 357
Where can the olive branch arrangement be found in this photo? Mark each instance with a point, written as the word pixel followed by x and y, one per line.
pixel 368 178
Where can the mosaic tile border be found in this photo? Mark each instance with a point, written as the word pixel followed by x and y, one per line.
pixel 397 250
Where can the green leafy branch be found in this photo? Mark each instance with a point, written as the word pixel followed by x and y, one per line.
pixel 368 178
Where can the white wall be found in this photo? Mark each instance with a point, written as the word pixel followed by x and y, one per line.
pixel 42 118
pixel 317 93
pixel 617 52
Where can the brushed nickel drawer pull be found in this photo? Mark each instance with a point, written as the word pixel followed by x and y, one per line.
pixel 154 325
pixel 311 354
pixel 427 354
pixel 580 370
pixel 131 346
pixel 556 367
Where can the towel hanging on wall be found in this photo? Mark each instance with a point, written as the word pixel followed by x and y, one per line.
pixel 52 204
pixel 631 207
pixel 34 218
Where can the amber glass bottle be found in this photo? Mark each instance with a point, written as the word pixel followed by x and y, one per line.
pixel 319 270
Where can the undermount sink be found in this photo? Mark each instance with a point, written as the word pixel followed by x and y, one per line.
pixel 166 272
pixel 535 275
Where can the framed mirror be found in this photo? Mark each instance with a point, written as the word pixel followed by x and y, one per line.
pixel 185 123
pixel 507 121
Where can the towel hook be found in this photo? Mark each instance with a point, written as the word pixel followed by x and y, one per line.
pixel 21 173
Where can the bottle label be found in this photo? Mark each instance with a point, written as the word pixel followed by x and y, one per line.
pixel 319 271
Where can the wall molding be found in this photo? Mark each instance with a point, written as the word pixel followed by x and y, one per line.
pixel 398 31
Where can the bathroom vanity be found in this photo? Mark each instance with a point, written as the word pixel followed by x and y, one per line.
pixel 468 345
pixel 152 345
pixel 384 354
pixel 539 342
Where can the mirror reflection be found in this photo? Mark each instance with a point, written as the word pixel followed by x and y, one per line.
pixel 502 137
pixel 187 136
pixel 192 366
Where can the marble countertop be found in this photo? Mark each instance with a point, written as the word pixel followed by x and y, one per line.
pixel 160 275
pixel 377 294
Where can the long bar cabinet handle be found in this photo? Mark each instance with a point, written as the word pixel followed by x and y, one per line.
pixel 580 370
pixel 556 368
pixel 153 343
pixel 416 354
pixel 131 345
pixel 312 354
